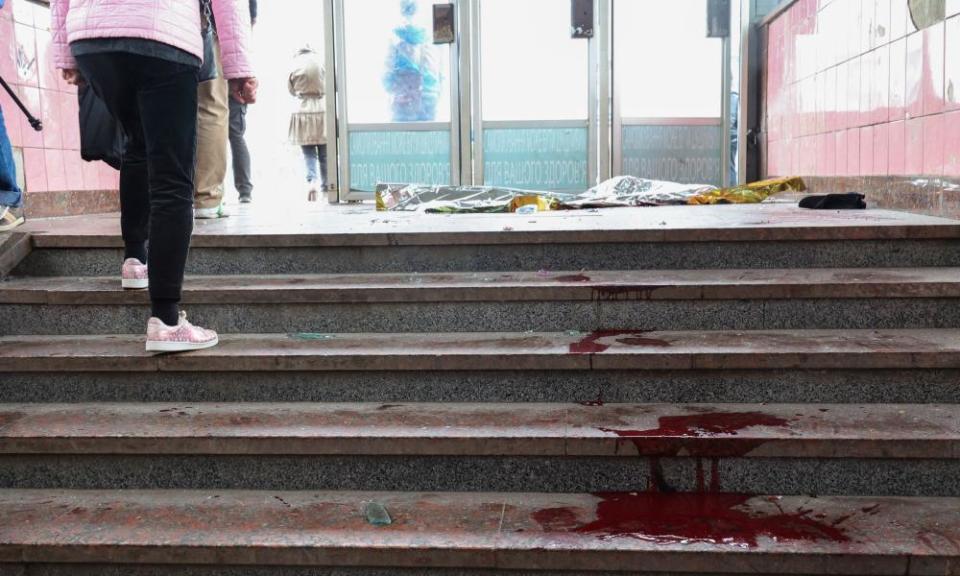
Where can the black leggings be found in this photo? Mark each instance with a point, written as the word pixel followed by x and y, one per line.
pixel 156 103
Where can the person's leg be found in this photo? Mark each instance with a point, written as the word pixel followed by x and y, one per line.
pixel 322 152
pixel 212 131
pixel 10 194
pixel 239 150
pixel 112 79
pixel 167 100
pixel 310 159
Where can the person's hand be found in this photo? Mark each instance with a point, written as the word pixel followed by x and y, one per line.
pixel 73 77
pixel 244 90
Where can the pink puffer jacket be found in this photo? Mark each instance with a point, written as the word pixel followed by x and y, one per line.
pixel 173 22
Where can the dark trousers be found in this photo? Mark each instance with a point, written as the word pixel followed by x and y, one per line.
pixel 155 102
pixel 238 149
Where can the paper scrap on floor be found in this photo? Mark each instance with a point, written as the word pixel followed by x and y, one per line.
pixel 621 191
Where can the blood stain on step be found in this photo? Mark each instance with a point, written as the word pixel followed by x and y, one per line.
pixel 573 278
pixel 591 344
pixel 685 518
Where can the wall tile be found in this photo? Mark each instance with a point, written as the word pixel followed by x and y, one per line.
pixel 898 79
pixel 31 99
pixel 56 171
pixel 73 169
pixel 841 152
pixel 866 151
pixel 913 152
pixel 69 120
pixel 853 152
pixel 47 72
pixel 8 51
pixel 952 63
pixel 913 94
pixel 933 69
pixel 881 31
pixel 933 145
pixel 35 167
pixel 854 69
pixel 881 149
pixel 22 12
pixel 50 113
pixel 898 148
pixel 951 148
pixel 898 19
pixel 11 119
pixel 26 54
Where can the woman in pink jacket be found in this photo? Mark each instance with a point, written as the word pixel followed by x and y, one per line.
pixel 142 58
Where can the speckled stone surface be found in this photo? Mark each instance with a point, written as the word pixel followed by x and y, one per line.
pixel 456 474
pixel 890 431
pixel 525 257
pixel 40 319
pixel 824 386
pixel 601 350
pixel 524 531
pixel 173 570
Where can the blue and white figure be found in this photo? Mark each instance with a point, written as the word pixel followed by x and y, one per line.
pixel 412 78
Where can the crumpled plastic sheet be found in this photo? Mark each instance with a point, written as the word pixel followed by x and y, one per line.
pixel 617 192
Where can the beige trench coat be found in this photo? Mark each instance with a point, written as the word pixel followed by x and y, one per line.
pixel 308 125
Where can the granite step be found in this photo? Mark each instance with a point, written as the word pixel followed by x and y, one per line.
pixel 504 301
pixel 900 366
pixel 510 533
pixel 472 429
pixel 601 350
pixel 891 449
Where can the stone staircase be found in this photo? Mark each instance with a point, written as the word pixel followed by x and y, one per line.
pixel 757 399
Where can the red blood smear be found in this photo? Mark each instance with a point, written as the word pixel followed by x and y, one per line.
pixel 573 278
pixel 591 344
pixel 722 519
pixel 673 434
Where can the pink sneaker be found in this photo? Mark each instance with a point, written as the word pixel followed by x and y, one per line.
pixel 180 338
pixel 133 275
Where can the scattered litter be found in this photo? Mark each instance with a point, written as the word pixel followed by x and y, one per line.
pixel 312 336
pixel 849 201
pixel 621 191
pixel 377 514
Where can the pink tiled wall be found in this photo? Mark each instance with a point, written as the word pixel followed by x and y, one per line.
pixel 51 158
pixel 854 89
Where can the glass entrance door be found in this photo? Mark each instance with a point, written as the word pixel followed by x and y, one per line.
pixel 397 97
pixel 668 87
pixel 533 97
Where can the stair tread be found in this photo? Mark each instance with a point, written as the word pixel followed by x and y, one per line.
pixel 515 286
pixel 667 532
pixel 364 227
pixel 520 429
pixel 602 350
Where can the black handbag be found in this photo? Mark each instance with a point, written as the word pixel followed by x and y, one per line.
pixel 101 137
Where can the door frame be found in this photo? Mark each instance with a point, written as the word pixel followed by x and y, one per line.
pixel 336 46
pixel 619 121
pixel 472 82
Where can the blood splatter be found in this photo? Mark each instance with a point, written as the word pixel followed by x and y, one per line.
pixel 684 518
pixel 676 434
pixel 573 278
pixel 592 345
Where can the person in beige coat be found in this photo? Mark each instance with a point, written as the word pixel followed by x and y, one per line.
pixel 308 124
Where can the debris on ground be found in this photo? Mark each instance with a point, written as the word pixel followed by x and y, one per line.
pixel 622 191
